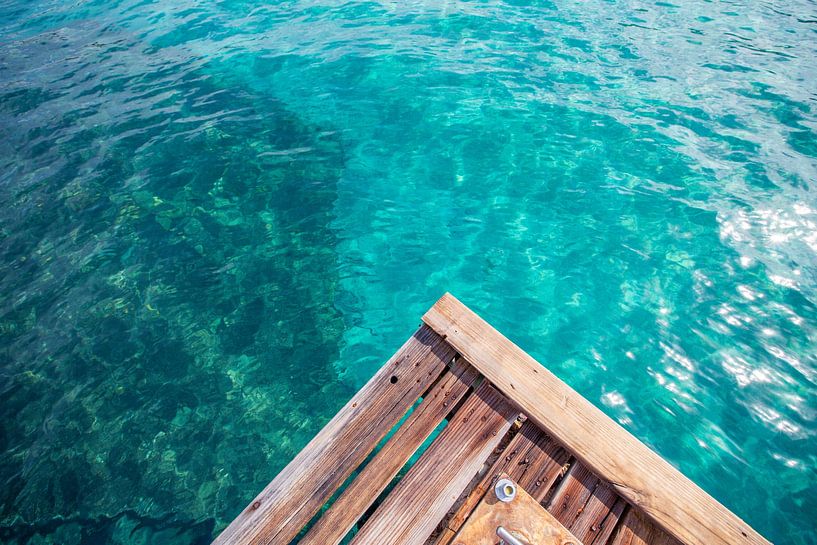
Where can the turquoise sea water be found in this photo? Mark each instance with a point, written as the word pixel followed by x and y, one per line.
pixel 218 218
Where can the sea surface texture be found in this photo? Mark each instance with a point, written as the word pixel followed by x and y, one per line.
pixel 218 218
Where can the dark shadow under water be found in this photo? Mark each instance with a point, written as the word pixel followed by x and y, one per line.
pixel 164 244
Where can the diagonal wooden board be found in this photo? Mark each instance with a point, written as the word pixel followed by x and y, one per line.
pixel 335 523
pixel 523 517
pixel 410 512
pixel 278 513
pixel 585 504
pixel 634 471
pixel 531 459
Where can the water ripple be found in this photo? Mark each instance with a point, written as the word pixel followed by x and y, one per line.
pixel 219 217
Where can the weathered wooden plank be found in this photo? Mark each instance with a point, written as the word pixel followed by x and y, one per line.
pixel 412 510
pixel 596 523
pixel 279 512
pixel 443 534
pixel 636 529
pixel 573 493
pixel 336 522
pixel 586 505
pixel 634 471
pixel 531 459
pixel 544 462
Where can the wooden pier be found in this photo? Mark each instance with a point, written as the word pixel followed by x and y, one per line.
pixel 577 476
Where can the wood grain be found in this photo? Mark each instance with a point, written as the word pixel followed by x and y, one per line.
pixel 601 513
pixel 634 471
pixel 543 462
pixel 279 512
pixel 531 459
pixel 418 502
pixel 336 522
pixel 586 505
pixel 636 529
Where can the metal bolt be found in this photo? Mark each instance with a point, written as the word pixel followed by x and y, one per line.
pixel 505 490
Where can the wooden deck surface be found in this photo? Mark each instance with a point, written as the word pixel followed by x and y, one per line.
pixel 504 414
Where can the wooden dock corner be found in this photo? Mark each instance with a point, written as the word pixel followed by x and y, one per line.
pixel 502 414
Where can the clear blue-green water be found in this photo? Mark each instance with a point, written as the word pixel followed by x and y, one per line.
pixel 218 218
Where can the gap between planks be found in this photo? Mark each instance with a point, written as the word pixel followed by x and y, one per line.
pixel 412 510
pixel 286 504
pixel 336 522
